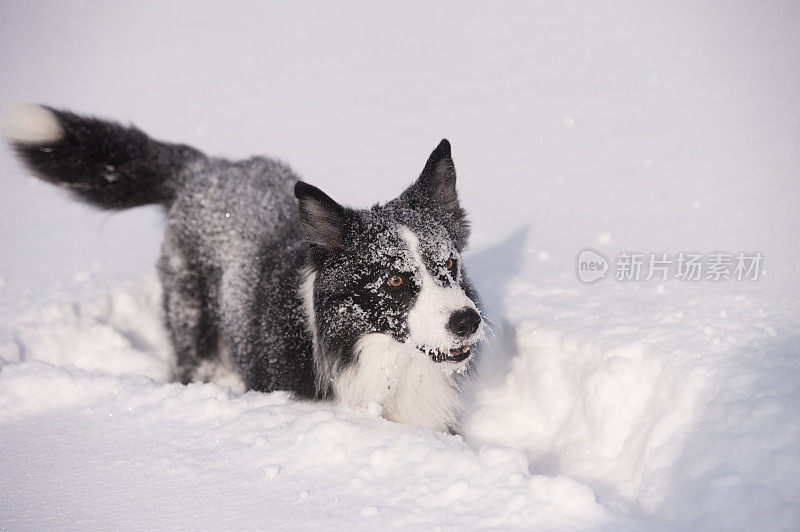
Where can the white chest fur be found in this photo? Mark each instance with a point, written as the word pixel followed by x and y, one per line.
pixel 407 387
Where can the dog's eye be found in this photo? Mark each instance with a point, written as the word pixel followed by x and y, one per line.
pixel 395 281
pixel 451 264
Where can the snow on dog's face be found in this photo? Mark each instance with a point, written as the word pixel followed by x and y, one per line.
pixel 394 270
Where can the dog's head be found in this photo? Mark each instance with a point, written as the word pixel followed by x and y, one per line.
pixel 395 270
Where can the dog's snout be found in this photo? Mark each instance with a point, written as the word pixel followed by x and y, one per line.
pixel 464 322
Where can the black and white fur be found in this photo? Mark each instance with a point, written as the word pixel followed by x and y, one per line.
pixel 370 307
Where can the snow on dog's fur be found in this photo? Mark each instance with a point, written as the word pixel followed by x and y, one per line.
pixel 370 307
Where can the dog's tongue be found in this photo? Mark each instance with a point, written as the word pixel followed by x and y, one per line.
pixel 459 350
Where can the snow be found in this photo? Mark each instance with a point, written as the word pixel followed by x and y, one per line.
pixel 136 452
pixel 616 128
pixel 685 413
pixel 252 460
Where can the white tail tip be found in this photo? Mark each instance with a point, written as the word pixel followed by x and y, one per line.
pixel 30 124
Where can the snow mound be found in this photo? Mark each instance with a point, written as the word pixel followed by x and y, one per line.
pixel 136 453
pixel 685 414
pixel 120 333
pixel 586 416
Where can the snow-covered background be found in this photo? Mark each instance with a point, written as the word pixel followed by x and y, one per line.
pixel 657 127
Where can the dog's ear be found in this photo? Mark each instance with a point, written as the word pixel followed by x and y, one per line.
pixel 322 219
pixel 436 189
pixel 437 182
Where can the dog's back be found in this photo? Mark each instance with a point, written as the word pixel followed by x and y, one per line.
pixel 231 253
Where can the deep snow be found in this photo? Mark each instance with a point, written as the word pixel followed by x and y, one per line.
pixel 617 127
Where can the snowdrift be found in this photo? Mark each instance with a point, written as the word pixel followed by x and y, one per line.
pixel 578 421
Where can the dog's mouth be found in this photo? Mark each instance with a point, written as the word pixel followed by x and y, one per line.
pixel 456 354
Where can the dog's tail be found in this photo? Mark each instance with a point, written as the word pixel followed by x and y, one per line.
pixel 104 163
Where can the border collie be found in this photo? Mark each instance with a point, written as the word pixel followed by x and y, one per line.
pixel 370 307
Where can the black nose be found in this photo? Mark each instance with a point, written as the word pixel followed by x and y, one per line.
pixel 464 322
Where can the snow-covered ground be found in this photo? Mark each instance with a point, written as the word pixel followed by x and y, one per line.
pixel 624 128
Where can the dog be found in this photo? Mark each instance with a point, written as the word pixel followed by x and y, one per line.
pixel 372 308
